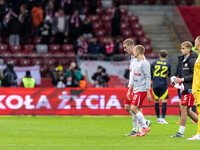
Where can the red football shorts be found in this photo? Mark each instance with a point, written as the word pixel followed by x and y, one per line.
pixel 187 99
pixel 138 98
pixel 126 101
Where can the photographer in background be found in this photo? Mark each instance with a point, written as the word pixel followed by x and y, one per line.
pixel 73 75
pixel 58 77
pixel 10 76
pixel 100 78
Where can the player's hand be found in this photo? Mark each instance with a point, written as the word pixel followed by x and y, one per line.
pixel 128 95
pixel 149 97
pixel 177 80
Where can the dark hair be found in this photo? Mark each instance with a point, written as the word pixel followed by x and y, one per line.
pixel 99 67
pixel 103 70
pixel 28 73
pixel 163 53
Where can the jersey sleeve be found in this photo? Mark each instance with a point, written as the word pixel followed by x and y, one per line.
pixel 147 73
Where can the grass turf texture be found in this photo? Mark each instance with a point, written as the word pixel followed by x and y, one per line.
pixel 91 133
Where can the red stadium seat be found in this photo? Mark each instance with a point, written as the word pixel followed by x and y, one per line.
pixel 29 47
pixel 148 49
pixel 99 10
pixel 107 27
pixel 63 61
pixel 19 54
pixel 97 25
pixel 123 26
pixel 127 33
pixel 102 40
pixel 94 18
pixel 133 19
pixel 15 48
pixel 5 54
pixel 67 48
pixel 106 18
pixel 14 61
pixel 34 54
pixel 49 61
pixel 100 32
pixel 139 33
pixel 124 11
pixel 3 47
pixel 108 10
pixel 144 40
pixel 37 61
pixel 152 55
pixel 136 26
pixel 43 71
pixel 54 47
pixel 25 62
pixel 47 54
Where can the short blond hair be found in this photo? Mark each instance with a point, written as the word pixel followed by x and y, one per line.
pixel 198 38
pixel 129 41
pixel 187 44
pixel 140 49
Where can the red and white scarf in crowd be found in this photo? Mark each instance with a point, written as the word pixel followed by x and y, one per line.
pixel 75 19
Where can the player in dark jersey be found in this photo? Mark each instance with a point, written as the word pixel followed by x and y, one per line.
pixel 160 70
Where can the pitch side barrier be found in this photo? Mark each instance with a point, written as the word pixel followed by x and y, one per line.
pixel 73 101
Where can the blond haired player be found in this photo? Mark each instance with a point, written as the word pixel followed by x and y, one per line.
pixel 196 87
pixel 128 46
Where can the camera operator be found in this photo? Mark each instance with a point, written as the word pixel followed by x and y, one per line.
pixel 10 76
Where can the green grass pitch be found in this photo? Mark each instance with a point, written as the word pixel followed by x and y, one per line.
pixel 90 133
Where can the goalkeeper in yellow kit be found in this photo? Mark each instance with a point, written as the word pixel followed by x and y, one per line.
pixel 196 87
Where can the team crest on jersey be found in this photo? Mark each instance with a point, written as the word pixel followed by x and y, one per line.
pixel 186 65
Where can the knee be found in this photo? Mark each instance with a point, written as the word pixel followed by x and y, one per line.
pixel 127 108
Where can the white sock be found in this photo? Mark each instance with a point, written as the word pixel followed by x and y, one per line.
pixel 181 129
pixel 141 119
pixel 135 123
pixel 140 126
pixel 130 112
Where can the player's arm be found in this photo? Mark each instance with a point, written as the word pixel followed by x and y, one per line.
pixel 129 91
pixel 131 76
pixel 190 77
pixel 147 75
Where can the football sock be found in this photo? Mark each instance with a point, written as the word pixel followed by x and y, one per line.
pixel 140 126
pixel 131 113
pixel 198 110
pixel 141 119
pixel 135 123
pixel 181 129
pixel 164 109
pixel 157 110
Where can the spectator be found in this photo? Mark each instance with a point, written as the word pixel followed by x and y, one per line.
pixel 96 75
pixel 45 30
pixel 94 48
pixel 14 28
pixel 60 27
pixel 87 28
pixel 75 26
pixel 81 46
pixel 28 81
pixel 109 47
pixel 48 12
pixel 25 20
pixel 93 6
pixel 37 17
pixel 73 75
pixel 116 20
pixel 58 77
pixel 10 76
pixel 117 46
pixel 3 11
pixel 101 79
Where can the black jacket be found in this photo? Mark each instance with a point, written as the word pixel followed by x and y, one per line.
pixel 186 69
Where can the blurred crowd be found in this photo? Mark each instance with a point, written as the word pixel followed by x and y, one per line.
pixel 58 22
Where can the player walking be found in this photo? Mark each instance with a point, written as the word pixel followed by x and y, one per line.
pixel 160 70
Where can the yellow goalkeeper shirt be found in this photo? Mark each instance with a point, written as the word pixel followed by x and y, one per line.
pixel 196 76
